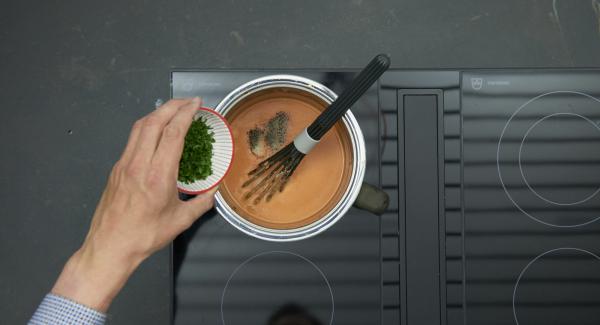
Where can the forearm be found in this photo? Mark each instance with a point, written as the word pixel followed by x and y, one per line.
pixel 88 283
pixel 94 278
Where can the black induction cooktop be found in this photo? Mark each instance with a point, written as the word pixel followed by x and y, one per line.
pixel 493 178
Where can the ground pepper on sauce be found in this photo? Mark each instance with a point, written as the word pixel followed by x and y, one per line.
pixel 268 138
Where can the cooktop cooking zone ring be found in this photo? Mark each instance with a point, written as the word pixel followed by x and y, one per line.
pixel 300 274
pixel 556 273
pixel 514 128
pixel 588 197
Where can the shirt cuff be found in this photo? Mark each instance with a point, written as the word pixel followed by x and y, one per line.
pixel 57 310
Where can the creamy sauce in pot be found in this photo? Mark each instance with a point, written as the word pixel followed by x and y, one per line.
pixel 318 183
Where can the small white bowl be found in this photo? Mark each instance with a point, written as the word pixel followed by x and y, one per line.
pixel 222 154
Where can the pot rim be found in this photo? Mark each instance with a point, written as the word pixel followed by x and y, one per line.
pixel 358 160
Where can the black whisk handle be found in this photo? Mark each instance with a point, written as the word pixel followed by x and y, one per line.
pixel 349 96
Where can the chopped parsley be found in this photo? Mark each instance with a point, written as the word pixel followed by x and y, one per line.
pixel 195 163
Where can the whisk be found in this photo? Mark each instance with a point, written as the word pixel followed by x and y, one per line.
pixel 280 166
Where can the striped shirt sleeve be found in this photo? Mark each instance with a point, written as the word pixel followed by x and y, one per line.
pixel 57 310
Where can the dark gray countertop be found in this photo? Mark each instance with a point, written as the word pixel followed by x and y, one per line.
pixel 76 74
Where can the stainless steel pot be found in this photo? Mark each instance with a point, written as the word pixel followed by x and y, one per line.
pixel 371 199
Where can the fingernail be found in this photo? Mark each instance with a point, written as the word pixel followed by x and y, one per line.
pixel 196 101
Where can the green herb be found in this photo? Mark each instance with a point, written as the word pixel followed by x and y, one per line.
pixel 195 163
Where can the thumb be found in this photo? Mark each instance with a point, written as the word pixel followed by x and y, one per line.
pixel 196 207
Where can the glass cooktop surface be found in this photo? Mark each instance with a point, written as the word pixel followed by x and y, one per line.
pixel 531 146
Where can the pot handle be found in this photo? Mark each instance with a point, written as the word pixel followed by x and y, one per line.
pixel 372 199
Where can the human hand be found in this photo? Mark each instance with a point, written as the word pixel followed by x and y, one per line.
pixel 139 211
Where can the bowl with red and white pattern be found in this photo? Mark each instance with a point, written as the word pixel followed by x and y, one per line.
pixel 222 153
